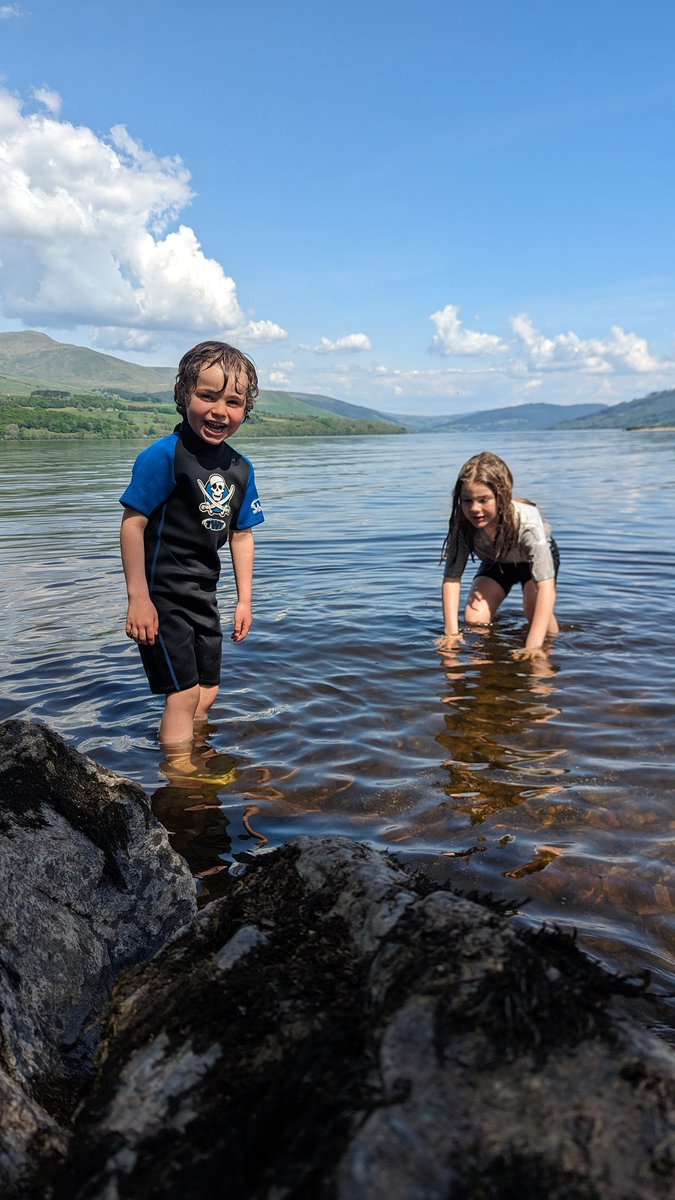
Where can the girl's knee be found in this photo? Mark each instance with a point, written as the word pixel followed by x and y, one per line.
pixel 477 612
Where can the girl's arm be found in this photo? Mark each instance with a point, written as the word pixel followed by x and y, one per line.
pixel 242 549
pixel 451 590
pixel 142 620
pixel 543 621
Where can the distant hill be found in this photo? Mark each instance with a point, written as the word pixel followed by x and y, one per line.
pixel 37 357
pixel 49 389
pixel 521 416
pixel 649 412
pixel 342 408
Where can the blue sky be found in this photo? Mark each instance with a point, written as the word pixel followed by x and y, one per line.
pixel 438 207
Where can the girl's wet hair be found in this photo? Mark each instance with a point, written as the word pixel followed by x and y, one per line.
pixel 489 469
pixel 207 354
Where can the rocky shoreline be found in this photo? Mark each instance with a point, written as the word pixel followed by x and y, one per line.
pixel 334 1027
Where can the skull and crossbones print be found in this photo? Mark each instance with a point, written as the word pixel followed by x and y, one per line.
pixel 216 500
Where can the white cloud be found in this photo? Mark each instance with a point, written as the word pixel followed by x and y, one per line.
pixel 351 343
pixel 625 352
pixel 452 338
pixel 9 10
pixel 260 331
pixel 530 351
pixel 86 239
pixel 50 99
pixel 279 378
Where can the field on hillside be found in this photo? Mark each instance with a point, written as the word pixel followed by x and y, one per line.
pixel 51 413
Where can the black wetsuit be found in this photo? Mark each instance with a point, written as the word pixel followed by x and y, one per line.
pixel 193 495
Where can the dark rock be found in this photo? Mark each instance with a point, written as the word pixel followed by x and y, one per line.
pixel 339 1029
pixel 90 887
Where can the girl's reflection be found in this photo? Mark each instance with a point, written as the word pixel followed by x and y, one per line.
pixel 496 760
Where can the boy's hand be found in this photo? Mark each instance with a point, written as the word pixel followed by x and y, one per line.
pixel 243 619
pixel 142 622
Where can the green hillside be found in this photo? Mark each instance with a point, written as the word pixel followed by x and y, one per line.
pixel 34 356
pixel 520 416
pixel 651 411
pixel 52 390
pixel 61 414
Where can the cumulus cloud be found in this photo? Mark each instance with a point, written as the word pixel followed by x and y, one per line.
pixel 621 351
pixel 50 99
pixel 452 338
pixel 86 237
pixel 279 378
pixel 351 343
pixel 530 351
pixel 261 331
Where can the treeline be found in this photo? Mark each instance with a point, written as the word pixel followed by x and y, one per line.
pixel 84 416
pixel 59 415
pixel 264 425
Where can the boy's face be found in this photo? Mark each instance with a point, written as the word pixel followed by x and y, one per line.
pixel 215 411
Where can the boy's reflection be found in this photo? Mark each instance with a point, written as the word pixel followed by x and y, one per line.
pixel 199 828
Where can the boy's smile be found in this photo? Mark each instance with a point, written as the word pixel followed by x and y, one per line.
pixel 217 408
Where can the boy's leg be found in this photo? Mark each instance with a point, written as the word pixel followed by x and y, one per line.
pixel 484 599
pixel 529 601
pixel 206 697
pixel 179 715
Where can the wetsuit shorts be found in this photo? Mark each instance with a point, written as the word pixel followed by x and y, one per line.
pixel 187 651
pixel 508 574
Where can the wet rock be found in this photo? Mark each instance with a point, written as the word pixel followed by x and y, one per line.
pixel 90 887
pixel 337 1028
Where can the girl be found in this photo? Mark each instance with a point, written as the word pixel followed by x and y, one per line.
pixel 513 544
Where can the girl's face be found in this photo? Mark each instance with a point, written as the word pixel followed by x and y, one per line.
pixel 479 506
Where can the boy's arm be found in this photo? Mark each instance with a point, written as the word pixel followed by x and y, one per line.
pixel 142 620
pixel 242 549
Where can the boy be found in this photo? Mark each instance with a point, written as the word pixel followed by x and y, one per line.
pixel 191 492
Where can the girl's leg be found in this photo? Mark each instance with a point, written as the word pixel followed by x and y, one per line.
pixel 529 600
pixel 206 697
pixel 179 715
pixel 484 599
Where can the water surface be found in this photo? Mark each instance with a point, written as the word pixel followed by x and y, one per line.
pixel 550 786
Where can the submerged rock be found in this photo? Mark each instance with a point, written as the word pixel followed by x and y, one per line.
pixel 337 1028
pixel 90 887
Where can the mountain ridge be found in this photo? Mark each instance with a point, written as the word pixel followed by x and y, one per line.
pixel 32 360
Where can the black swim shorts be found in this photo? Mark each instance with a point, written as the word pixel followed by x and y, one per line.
pixel 508 574
pixel 187 651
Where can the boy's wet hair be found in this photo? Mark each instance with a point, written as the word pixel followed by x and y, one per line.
pixel 491 470
pixel 206 354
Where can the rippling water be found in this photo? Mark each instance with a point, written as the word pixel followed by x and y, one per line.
pixel 549 786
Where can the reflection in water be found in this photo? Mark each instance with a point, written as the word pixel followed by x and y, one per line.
pixel 190 808
pixel 491 703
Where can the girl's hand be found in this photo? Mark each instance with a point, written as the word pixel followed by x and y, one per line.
pixel 449 640
pixel 530 654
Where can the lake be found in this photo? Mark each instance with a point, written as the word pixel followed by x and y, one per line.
pixel 549 786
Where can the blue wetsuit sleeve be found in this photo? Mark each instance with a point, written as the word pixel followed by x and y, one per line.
pixel 152 477
pixel 250 512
